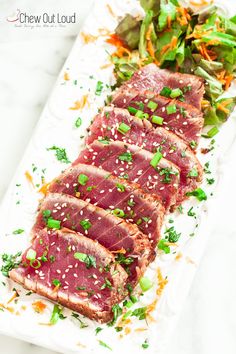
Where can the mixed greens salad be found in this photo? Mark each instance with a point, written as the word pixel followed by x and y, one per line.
pixel 200 42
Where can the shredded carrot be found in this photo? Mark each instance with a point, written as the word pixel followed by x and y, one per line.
pixel 168 21
pixel 80 104
pixel 127 330
pixel 178 256
pixel 56 288
pixel 39 306
pixel 44 188
pixel 228 80
pixel 29 178
pixel 207 53
pixel 140 329
pixel 200 3
pixel 150 47
pixel 190 261
pixel 183 16
pixel 170 45
pixel 66 76
pixel 161 282
pixel 77 194
pixel 105 66
pixel 223 109
pixel 115 40
pixel 88 38
pixel 15 295
pixel 10 309
pixel 122 250
pixel 121 52
pixel 111 11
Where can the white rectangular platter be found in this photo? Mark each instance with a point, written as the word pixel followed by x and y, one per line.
pixel 74 97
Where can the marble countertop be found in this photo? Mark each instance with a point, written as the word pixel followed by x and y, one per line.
pixel 31 59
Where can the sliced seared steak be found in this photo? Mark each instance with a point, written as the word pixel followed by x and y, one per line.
pixel 97 224
pixel 136 165
pixel 99 187
pixel 152 78
pixel 179 117
pixel 107 126
pixel 74 271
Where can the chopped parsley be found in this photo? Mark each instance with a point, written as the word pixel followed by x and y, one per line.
pixel 117 311
pixel 98 329
pixel 103 344
pixel 60 154
pixel 126 156
pixel 121 259
pixel 145 344
pixel 56 315
pixel 191 212
pixel 210 181
pixel 167 173
pixel 171 235
pixel 198 193
pixel 18 231
pixel 89 260
pixel 140 313
pixel 78 122
pixel 107 284
pixel 77 317
pixel 99 88
pixel 10 262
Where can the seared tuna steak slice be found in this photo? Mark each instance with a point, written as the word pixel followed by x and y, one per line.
pixel 152 78
pixel 142 133
pixel 182 119
pixel 99 187
pixel 136 165
pixel 97 224
pixel 74 271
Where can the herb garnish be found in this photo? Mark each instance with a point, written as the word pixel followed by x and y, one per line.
pixel 89 260
pixel 10 262
pixel 56 315
pixel 60 154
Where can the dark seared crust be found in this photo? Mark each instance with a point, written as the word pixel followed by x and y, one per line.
pixel 79 305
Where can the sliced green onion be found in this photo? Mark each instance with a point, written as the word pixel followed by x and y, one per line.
pixel 156 159
pixel 118 212
pixel 85 224
pixel 78 122
pixel 139 114
pixel 35 263
pixel 166 91
pixel 123 128
pixel 176 93
pixel 152 105
pixel 53 224
pixel 145 283
pixel 120 187
pixel 171 109
pixel 56 282
pixel 212 132
pixel 82 179
pixel 198 193
pixel 157 120
pixel 31 254
pixel 132 110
